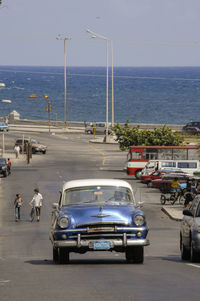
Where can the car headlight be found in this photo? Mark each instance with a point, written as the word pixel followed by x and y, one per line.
pixel 63 222
pixel 139 220
pixel 4 167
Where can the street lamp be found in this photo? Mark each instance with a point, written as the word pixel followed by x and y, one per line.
pixel 48 107
pixel 95 35
pixel 59 37
pixel 3 139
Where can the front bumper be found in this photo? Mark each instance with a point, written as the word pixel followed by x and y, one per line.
pixel 89 243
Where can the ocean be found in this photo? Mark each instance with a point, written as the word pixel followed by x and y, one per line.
pixel 167 95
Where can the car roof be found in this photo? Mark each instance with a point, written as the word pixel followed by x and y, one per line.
pixel 95 182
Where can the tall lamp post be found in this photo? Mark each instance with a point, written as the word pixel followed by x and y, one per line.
pixel 59 37
pixel 95 35
pixel 3 139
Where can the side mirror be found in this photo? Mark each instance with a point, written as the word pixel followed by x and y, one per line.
pixel 55 206
pixel 187 212
pixel 140 204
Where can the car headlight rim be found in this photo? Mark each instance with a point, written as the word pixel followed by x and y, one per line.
pixel 63 222
pixel 139 220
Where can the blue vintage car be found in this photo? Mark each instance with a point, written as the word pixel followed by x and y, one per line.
pixel 98 215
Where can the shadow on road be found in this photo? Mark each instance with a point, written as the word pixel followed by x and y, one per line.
pixel 79 261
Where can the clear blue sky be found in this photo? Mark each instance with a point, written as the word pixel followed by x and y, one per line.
pixel 144 32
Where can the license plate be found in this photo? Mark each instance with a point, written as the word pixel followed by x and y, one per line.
pixel 101 245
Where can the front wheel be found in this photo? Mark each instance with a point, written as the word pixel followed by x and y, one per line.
pixel 135 255
pixel 63 256
pixel 194 255
pixel 5 174
pixel 163 199
pixel 185 254
pixel 138 174
pixel 55 255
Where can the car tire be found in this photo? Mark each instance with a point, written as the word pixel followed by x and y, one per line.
pixel 138 174
pixel 194 255
pixel 5 174
pixel 149 185
pixel 55 255
pixel 63 257
pixel 185 254
pixel 162 199
pixel 135 255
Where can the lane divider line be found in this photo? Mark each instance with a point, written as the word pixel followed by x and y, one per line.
pixel 100 152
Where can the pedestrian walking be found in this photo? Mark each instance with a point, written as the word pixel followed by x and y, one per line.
pixel 36 203
pixel 9 165
pixel 18 203
pixel 17 151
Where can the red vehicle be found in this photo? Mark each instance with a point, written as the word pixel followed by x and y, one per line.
pixel 165 181
pixel 138 156
pixel 146 179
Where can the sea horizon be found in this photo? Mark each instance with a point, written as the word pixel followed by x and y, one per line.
pixel 156 95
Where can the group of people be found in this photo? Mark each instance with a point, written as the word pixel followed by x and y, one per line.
pixel 192 189
pixel 36 204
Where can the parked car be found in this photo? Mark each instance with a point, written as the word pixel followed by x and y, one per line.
pixel 98 215
pixel 190 232
pixel 191 124
pixel 165 181
pixel 192 130
pixel 4 168
pixel 36 146
pixel 4 127
pixel 100 128
pixel 146 179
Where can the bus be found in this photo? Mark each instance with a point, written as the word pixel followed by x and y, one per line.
pixel 138 156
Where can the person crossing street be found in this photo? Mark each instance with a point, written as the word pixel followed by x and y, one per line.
pixel 36 202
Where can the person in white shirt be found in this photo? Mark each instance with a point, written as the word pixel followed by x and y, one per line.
pixel 37 202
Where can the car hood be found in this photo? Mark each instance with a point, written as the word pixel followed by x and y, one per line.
pixel 39 145
pixel 82 214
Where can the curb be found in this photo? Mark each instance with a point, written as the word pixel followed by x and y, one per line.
pixel 173 214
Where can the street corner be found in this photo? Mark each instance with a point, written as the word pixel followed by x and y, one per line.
pixel 173 212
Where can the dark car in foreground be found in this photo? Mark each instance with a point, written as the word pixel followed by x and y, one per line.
pixel 190 232
pixel 4 169
pixel 36 146
pixel 98 215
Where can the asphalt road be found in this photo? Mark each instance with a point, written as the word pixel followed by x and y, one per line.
pixel 27 271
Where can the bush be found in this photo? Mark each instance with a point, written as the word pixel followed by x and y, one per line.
pixel 132 136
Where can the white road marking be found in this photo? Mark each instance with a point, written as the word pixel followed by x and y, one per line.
pixel 4 281
pixel 194 265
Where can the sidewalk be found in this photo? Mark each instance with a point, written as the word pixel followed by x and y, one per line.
pixel 44 128
pixel 175 212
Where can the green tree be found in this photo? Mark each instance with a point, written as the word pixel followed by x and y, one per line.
pixel 128 136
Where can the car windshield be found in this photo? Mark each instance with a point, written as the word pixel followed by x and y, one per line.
pixel 98 194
